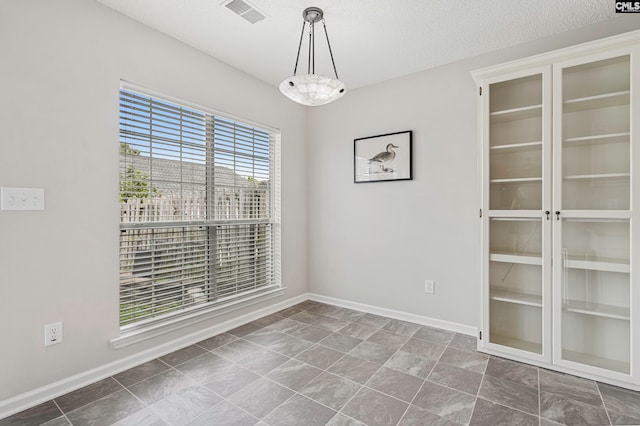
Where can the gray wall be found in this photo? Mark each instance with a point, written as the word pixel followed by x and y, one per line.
pixel 376 243
pixel 60 71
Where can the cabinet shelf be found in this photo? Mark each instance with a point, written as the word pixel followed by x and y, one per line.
pixel 598 139
pixel 601 264
pixel 524 259
pixel 523 345
pixel 596 309
pixel 596 361
pixel 516 113
pixel 514 180
pixel 518 147
pixel 504 295
pixel 598 101
pixel 598 176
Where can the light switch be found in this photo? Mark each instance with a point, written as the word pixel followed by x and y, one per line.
pixel 21 199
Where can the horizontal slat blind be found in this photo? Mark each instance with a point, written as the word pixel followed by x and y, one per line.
pixel 197 208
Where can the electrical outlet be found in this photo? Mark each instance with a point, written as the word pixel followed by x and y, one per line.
pixel 53 333
pixel 429 286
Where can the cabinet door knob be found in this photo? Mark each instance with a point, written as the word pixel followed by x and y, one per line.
pixel 557 214
pixel 547 212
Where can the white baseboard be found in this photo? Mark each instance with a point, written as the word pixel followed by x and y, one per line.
pixel 399 315
pixel 45 393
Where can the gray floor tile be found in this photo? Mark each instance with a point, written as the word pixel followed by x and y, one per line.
pixel 340 342
pixel 373 352
pixel 388 339
pixel 375 321
pixel 375 409
pixel 510 394
pixel 268 320
pixel 294 374
pixel 416 416
pixel 456 378
pixel 347 314
pixel 570 387
pixel 87 394
pixel 141 372
pixel 224 414
pixel 183 355
pixel 105 411
pixel 325 310
pixel 306 317
pixel 263 361
pixel 401 327
pixel 468 360
pixel 200 367
pixel 261 397
pixel 464 342
pixel 411 363
pixel 229 379
pixel 489 414
pixel 622 401
pixel 59 421
pixel 320 356
pixel 287 325
pixel 445 402
pixel 311 333
pixel 144 417
pixel 569 411
pixel 423 348
pixel 331 324
pixel 299 410
pixel 354 369
pixel 237 350
pixel 342 420
pixel 185 405
pixel 160 386
pixel 290 346
pixel 434 335
pixel 290 311
pixel 264 336
pixel 33 416
pixel 358 331
pixel 217 341
pixel 395 383
pixel 621 419
pixel 513 371
pixel 331 390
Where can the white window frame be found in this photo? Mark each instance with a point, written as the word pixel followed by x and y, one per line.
pixel 158 325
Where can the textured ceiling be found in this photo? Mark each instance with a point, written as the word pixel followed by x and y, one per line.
pixel 372 40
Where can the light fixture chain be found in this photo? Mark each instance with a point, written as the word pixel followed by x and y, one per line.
pixel 330 51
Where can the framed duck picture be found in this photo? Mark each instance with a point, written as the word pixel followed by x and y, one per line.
pixel 382 157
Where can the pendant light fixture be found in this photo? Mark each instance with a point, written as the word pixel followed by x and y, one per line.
pixel 311 89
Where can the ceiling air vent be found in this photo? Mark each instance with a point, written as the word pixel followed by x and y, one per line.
pixel 245 10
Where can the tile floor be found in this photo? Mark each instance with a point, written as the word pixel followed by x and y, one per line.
pixel 317 364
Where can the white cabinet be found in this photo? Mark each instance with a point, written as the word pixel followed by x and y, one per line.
pixel 559 151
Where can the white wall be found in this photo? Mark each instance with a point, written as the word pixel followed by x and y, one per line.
pixel 60 68
pixel 376 243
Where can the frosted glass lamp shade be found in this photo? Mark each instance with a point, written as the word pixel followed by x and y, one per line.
pixel 312 90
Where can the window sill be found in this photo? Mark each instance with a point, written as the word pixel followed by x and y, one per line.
pixel 128 338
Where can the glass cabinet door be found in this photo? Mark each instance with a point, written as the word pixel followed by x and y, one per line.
pixel 515 283
pixel 595 135
pixel 515 171
pixel 592 224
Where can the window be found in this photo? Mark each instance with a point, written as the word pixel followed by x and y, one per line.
pixel 199 219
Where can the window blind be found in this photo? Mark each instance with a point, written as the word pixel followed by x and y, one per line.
pixel 199 220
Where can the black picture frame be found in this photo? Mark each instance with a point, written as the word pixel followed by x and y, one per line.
pixel 383 158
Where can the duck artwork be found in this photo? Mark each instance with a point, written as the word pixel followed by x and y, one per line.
pixel 384 157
